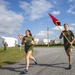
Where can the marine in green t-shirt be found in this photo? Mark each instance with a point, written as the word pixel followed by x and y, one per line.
pixel 28 43
pixel 69 34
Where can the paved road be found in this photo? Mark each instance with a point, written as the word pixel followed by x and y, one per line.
pixel 51 61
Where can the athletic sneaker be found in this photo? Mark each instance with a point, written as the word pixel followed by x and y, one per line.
pixel 24 71
pixel 70 66
pixel 35 62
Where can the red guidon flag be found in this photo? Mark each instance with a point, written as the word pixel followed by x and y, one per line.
pixel 20 36
pixel 55 20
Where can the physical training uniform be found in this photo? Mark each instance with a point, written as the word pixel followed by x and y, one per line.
pixel 28 44
pixel 69 34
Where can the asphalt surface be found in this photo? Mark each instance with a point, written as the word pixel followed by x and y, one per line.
pixel 51 61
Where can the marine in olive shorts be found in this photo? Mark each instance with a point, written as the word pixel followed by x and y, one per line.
pixel 29 42
pixel 67 43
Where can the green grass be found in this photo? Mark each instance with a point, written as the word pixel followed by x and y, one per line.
pixel 11 55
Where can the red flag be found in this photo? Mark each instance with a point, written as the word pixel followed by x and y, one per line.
pixel 55 20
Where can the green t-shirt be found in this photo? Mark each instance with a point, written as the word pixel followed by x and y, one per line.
pixel 28 39
pixel 69 34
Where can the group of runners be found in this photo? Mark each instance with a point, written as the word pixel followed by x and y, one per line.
pixel 29 42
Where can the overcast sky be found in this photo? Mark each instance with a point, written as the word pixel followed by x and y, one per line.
pixel 18 15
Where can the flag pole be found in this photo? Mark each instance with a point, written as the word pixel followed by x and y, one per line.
pixel 55 20
pixel 65 36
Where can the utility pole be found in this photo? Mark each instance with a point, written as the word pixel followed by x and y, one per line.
pixel 48 35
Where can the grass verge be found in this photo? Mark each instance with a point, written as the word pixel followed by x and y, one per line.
pixel 11 55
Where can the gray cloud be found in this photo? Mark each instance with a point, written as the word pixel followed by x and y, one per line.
pixel 71 9
pixel 36 9
pixel 56 12
pixel 10 21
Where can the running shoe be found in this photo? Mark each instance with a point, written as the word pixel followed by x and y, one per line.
pixel 36 62
pixel 70 66
pixel 24 71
